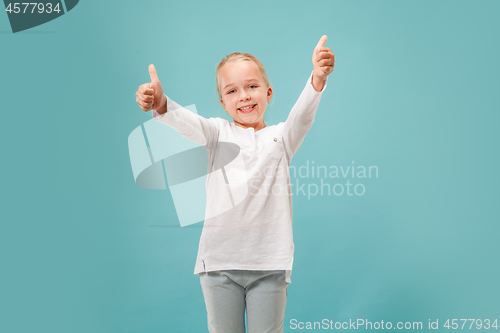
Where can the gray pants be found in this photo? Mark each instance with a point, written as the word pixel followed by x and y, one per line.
pixel 228 292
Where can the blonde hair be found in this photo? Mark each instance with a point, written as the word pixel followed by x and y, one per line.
pixel 233 57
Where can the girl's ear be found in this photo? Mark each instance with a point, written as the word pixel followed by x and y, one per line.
pixel 222 102
pixel 269 94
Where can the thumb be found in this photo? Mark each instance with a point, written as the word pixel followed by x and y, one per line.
pixel 152 73
pixel 321 43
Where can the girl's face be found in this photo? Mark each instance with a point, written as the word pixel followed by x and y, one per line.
pixel 244 93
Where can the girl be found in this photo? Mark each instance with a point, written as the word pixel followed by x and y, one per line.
pixel 245 253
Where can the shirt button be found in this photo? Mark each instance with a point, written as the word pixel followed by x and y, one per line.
pixel 275 139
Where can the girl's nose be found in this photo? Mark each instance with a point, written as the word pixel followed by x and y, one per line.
pixel 244 96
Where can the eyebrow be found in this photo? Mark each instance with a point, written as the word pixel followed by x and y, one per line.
pixel 249 80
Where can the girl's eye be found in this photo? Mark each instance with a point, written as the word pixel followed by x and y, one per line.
pixel 253 86
pixel 230 91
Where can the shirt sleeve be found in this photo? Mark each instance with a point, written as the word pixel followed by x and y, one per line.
pixel 188 124
pixel 301 118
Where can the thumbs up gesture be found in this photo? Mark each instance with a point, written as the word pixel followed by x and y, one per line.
pixel 323 62
pixel 150 95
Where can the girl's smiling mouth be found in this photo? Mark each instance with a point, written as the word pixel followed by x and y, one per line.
pixel 247 109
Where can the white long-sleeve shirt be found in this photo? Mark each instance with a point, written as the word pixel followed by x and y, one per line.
pixel 248 218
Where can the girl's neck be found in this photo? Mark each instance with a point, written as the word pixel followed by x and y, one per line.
pixel 256 127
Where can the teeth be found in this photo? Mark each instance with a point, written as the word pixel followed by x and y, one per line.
pixel 246 108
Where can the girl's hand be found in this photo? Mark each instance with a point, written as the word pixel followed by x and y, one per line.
pixel 150 95
pixel 323 62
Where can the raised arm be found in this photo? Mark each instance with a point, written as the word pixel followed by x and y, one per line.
pixel 187 123
pixel 301 116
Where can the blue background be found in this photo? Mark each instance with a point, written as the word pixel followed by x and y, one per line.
pixel 414 92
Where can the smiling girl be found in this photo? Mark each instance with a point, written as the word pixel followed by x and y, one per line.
pixel 245 254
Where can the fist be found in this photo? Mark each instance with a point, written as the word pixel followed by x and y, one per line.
pixel 150 95
pixel 323 60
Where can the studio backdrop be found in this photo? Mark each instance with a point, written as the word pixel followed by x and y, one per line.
pixel 395 187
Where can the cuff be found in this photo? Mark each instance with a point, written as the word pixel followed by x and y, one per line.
pixel 309 84
pixel 155 113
